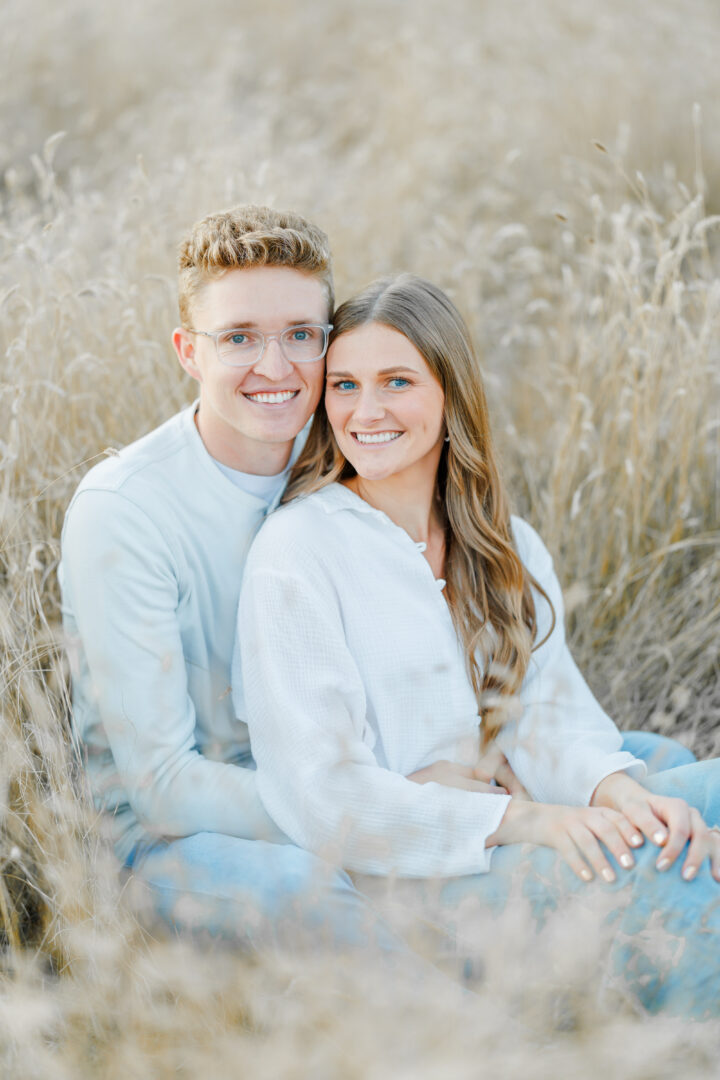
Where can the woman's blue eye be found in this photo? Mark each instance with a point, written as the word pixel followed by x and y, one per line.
pixel 399 382
pixel 344 384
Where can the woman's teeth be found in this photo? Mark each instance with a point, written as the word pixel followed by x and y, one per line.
pixel 273 399
pixel 381 437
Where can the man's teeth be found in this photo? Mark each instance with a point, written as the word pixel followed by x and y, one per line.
pixel 382 436
pixel 273 399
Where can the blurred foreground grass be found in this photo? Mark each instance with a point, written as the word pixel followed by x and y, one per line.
pixel 544 163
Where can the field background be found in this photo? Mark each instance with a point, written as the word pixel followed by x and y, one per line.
pixel 554 164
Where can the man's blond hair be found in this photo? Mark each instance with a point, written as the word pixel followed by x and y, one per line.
pixel 249 236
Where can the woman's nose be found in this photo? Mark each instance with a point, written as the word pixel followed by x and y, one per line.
pixel 368 407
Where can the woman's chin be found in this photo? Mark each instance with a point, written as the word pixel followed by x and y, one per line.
pixel 369 471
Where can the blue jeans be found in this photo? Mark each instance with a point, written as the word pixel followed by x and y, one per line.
pixel 664 931
pixel 272 895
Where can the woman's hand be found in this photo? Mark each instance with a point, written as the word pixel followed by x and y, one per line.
pixel 668 822
pixel 575 832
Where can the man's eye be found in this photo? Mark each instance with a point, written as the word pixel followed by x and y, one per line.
pixel 238 338
pixel 301 335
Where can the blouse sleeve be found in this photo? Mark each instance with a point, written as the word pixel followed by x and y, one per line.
pixel 297 687
pixel 561 744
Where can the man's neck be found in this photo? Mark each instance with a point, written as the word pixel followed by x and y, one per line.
pixel 235 450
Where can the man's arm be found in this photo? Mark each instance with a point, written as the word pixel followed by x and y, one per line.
pixel 121 584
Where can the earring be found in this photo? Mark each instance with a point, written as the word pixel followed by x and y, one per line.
pixel 447 438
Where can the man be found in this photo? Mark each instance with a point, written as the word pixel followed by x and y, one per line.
pixel 153 550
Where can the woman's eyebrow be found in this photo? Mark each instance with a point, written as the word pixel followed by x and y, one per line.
pixel 384 371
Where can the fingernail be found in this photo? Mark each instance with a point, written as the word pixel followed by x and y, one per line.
pixel 689 872
pixel 659 837
pixel 663 864
pixel 626 861
pixel 608 874
pixel 636 839
pixel 586 875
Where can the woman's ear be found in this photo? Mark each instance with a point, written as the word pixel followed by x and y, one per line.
pixel 184 344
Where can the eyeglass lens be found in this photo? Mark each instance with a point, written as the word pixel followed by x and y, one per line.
pixel 299 344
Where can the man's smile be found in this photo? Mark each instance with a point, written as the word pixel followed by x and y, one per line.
pixel 271 397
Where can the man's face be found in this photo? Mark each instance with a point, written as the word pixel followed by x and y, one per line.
pixel 246 412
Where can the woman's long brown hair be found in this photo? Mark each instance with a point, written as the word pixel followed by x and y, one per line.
pixel 488 589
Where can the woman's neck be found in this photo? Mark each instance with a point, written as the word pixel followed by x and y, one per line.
pixel 408 499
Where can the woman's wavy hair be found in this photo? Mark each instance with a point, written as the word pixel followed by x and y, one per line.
pixel 488 589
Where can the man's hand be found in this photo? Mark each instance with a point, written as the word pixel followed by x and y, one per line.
pixel 493 765
pixel 668 822
pixel 450 774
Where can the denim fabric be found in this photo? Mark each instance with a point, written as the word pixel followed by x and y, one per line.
pixel 279 896
pixel 663 932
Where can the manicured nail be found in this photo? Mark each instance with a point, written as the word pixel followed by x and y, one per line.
pixel 663 864
pixel 689 872
pixel 659 837
pixel 627 861
pixel 636 839
pixel 608 874
pixel 586 875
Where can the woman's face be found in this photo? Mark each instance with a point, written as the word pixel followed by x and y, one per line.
pixel 385 406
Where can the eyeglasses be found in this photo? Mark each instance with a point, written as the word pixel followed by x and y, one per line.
pixel 243 347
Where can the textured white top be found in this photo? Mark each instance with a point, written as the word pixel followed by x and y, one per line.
pixel 153 551
pixel 353 678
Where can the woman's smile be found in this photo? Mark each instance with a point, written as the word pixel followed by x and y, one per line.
pixel 375 438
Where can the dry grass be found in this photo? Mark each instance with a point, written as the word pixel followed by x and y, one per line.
pixel 455 139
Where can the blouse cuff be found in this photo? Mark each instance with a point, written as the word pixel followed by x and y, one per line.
pixel 622 761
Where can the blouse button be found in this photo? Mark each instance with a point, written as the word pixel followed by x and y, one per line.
pixel 421 545
pixel 440 582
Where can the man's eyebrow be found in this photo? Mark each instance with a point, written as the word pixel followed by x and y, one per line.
pixel 248 324
pixel 384 371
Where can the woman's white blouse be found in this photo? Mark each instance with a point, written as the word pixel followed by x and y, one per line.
pixel 349 675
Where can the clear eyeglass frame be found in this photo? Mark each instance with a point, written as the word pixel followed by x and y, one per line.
pixel 215 335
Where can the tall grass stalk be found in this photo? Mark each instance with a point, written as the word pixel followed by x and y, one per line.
pixel 546 165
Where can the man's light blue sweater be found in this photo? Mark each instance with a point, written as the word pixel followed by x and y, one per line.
pixel 153 550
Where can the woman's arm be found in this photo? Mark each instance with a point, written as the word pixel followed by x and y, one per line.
pixel 562 743
pixel 298 688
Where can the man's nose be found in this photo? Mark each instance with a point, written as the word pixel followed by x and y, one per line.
pixel 273 364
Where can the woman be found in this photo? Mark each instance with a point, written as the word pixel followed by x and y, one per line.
pixel 401 616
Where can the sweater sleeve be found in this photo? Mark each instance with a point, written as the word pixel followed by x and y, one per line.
pixel 561 744
pixel 121 587
pixel 298 688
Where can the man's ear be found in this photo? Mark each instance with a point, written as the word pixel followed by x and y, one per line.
pixel 184 345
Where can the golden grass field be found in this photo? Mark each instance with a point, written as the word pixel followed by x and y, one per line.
pixel 554 164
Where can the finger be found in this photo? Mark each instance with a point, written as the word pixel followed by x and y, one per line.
pixel 505 776
pixel 630 833
pixel 607 829
pixel 590 849
pixel 677 816
pixel 698 848
pixel 646 823
pixel 715 853
pixel 574 859
pixel 469 784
